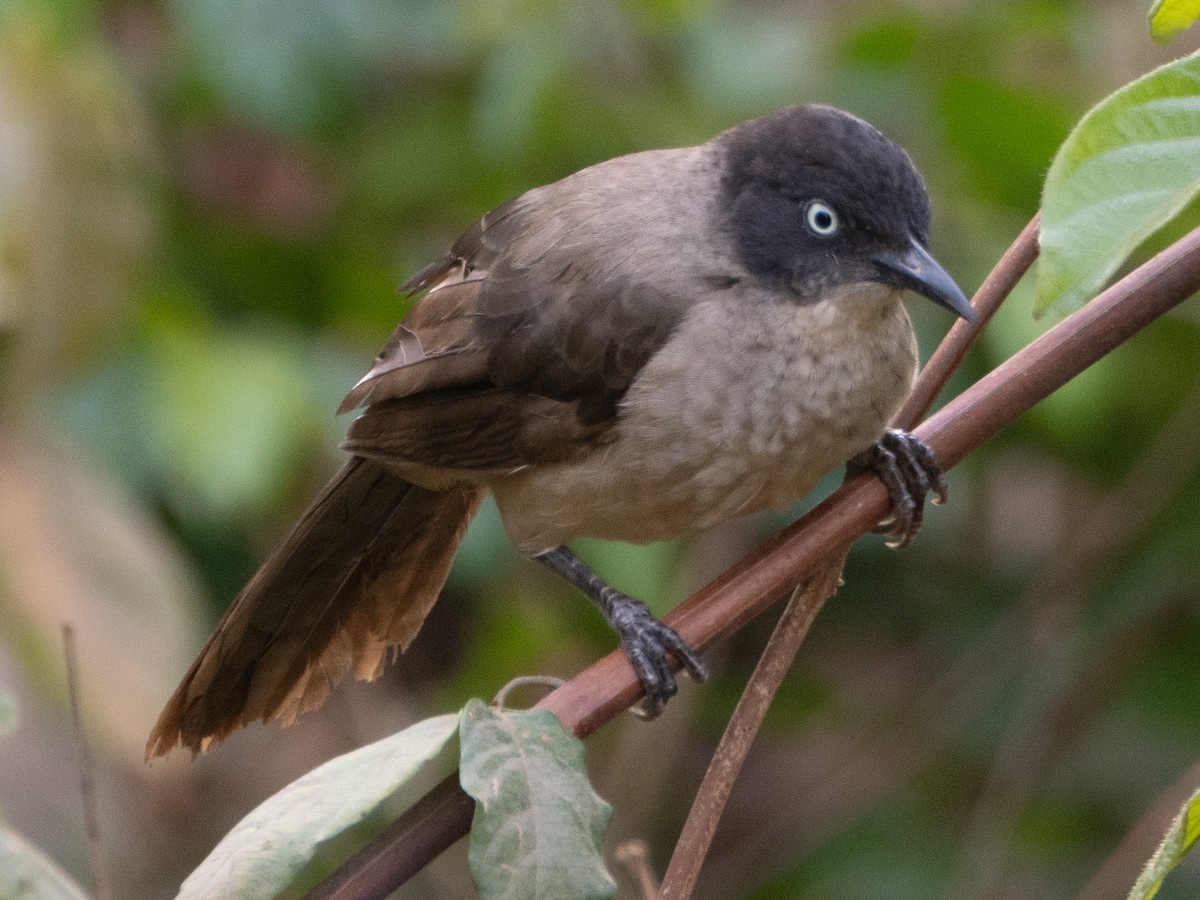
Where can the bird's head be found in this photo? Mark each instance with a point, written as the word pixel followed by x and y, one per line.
pixel 819 199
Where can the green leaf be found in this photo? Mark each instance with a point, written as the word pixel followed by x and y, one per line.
pixel 268 848
pixel 26 873
pixel 1129 167
pixel 538 824
pixel 1169 17
pixel 1180 837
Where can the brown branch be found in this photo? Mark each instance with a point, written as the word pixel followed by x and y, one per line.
pixel 402 849
pixel 609 686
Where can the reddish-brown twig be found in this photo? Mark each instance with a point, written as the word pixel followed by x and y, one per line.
pixel 790 631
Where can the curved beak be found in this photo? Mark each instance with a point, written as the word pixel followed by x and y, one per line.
pixel 916 270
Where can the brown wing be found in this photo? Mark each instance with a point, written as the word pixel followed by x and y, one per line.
pixel 434 348
pixel 534 327
pixel 577 296
pixel 585 339
pixel 479 431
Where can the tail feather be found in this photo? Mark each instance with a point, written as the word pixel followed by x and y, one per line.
pixel 355 578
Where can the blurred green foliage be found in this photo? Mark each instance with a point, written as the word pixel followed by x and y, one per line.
pixel 205 206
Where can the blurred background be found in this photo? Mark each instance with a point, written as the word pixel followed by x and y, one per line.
pixel 205 207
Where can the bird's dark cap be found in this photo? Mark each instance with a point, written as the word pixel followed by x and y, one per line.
pixel 799 146
pixel 781 170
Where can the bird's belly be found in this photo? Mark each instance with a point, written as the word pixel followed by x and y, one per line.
pixel 726 420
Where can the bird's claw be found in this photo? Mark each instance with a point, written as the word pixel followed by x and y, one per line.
pixel 910 472
pixel 646 642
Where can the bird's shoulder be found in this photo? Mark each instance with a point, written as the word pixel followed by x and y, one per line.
pixel 601 268
pixel 535 325
pixel 567 290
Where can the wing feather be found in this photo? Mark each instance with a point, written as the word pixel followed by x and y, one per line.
pixel 537 322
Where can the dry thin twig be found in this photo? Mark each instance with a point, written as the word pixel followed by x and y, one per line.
pixel 950 353
pixel 790 631
pixel 602 691
pixel 634 855
pixel 101 885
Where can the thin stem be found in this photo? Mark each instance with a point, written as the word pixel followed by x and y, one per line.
pixel 634 855
pixel 790 631
pixel 950 352
pixel 101 884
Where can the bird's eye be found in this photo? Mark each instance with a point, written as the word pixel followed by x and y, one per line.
pixel 821 219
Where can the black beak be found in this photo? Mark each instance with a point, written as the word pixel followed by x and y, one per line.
pixel 916 270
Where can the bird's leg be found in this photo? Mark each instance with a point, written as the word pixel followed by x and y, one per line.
pixel 645 640
pixel 910 471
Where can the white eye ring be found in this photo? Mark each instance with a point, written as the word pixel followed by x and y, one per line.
pixel 821 219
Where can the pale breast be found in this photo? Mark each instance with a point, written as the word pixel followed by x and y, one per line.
pixel 745 408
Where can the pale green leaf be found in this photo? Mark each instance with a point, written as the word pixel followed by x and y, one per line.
pixel 1129 167
pixel 26 873
pixel 268 848
pixel 1180 837
pixel 1169 17
pixel 538 824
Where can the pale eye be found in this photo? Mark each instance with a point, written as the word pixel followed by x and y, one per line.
pixel 821 219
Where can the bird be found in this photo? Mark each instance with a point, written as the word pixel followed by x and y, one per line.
pixel 643 349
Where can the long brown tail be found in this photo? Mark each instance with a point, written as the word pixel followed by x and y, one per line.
pixel 356 576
